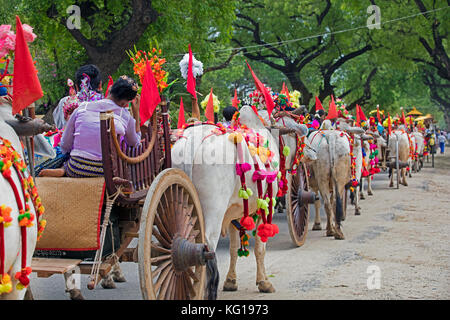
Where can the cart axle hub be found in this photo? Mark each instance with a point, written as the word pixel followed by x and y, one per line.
pixel 186 254
pixel 306 197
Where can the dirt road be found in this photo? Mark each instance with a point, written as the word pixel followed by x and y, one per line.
pixel 402 236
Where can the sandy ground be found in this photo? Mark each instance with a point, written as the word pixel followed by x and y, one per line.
pixel 402 234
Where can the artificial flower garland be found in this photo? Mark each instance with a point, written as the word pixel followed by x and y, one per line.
pixel 10 158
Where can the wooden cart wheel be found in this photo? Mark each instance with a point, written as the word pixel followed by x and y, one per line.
pixel 171 252
pixel 297 213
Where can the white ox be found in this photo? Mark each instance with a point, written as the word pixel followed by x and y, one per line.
pixel 210 162
pixel 12 239
pixel 380 143
pixel 329 175
pixel 403 152
pixel 419 147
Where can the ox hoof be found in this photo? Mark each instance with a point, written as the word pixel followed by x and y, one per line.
pixel 119 278
pixel 317 226
pixel 370 193
pixel 265 287
pixel 108 283
pixel 330 233
pixel 230 285
pixel 75 294
pixel 405 183
pixel 357 212
pixel 391 185
pixel 362 197
pixel 339 235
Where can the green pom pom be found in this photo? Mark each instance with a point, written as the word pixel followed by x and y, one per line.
pixel 286 151
pixel 243 194
pixel 375 152
pixel 246 253
pixel 279 175
pixel 249 192
pixel 240 253
pixel 371 156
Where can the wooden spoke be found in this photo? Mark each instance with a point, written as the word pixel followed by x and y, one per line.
pixel 160 238
pixel 165 286
pixel 191 274
pixel 189 286
pixel 160 268
pixel 193 235
pixel 160 249
pixel 160 258
pixel 189 226
pixel 170 294
pixel 161 278
pixel 163 230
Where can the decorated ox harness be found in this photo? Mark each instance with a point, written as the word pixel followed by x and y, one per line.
pixel 11 159
pixel 258 146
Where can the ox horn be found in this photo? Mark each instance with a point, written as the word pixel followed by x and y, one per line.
pixel 29 128
pixel 366 137
pixel 281 130
pixel 355 130
pixel 298 111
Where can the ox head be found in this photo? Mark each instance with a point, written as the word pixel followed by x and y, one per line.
pixel 28 127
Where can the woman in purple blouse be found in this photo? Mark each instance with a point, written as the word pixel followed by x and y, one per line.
pixel 81 137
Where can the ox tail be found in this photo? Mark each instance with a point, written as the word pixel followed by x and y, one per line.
pixel 339 213
pixel 212 284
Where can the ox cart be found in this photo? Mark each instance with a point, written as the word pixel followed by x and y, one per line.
pixel 158 205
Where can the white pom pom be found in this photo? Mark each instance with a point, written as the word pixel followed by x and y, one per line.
pixel 197 66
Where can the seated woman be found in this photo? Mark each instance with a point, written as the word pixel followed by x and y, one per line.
pixel 81 137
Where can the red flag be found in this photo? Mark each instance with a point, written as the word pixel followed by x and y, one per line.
pixel 332 110
pixel 362 116
pixel 378 114
pixel 110 83
pixel 209 112
pixel 190 76
pixel 235 100
pixel 259 85
pixel 403 118
pixel 26 86
pixel 181 120
pixel 358 118
pixel 318 105
pixel 149 96
pixel 286 92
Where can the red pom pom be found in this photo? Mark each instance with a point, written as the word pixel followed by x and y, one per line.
pixel 248 223
pixel 275 229
pixel 354 183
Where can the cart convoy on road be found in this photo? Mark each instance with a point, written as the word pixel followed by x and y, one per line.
pixel 178 191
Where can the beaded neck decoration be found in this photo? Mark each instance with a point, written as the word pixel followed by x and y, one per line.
pixel 11 159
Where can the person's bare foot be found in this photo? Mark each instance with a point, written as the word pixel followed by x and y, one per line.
pixel 52 173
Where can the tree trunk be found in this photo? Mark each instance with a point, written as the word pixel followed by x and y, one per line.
pixel 297 84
